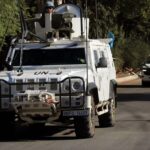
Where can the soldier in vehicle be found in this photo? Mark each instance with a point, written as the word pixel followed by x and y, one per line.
pixel 49 7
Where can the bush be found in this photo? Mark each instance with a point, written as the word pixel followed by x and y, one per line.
pixel 131 53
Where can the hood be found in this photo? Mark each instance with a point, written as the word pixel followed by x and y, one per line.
pixel 59 74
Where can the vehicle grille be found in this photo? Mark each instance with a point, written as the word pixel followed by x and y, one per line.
pixel 9 91
pixel 31 84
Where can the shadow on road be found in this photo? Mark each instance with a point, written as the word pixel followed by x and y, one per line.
pixel 134 97
pixel 133 93
pixel 38 133
pixel 131 86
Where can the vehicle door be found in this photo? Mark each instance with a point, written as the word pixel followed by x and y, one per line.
pixel 97 73
pixel 103 72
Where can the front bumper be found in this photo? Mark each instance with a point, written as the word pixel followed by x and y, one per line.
pixel 30 107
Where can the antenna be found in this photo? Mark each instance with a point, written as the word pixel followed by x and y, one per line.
pixel 24 33
pixel 81 16
pixel 86 46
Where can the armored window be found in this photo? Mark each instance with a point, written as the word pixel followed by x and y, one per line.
pixel 50 57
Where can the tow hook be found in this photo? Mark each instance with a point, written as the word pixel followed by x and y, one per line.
pixel 49 98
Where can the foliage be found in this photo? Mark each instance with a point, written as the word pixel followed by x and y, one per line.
pixel 130 53
pixel 8 18
pixel 128 20
pixel 134 16
pixel 105 21
pixel 135 52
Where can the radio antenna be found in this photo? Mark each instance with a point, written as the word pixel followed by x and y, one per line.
pixel 24 31
pixel 86 14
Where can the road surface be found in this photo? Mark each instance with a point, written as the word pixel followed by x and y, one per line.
pixel 132 130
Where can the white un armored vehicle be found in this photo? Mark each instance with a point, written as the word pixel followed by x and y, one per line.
pixel 62 76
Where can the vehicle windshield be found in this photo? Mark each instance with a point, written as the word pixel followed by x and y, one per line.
pixel 50 57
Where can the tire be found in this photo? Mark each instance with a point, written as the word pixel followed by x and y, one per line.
pixel 8 128
pixel 85 125
pixel 108 119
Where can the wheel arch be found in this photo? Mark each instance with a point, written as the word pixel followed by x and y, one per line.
pixel 93 91
pixel 113 89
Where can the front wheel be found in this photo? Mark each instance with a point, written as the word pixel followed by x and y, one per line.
pixel 108 119
pixel 8 126
pixel 85 125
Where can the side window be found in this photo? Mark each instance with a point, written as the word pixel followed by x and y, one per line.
pixel 103 62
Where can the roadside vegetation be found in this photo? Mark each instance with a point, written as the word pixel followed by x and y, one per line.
pixel 128 20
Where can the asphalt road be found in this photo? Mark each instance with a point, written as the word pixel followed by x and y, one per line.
pixel 132 130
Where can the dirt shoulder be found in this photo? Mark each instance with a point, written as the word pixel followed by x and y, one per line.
pixel 126 77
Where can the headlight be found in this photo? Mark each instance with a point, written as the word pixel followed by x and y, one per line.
pixel 74 84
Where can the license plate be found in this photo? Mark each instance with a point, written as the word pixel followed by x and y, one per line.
pixel 76 113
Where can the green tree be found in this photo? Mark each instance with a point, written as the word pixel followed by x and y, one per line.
pixel 134 16
pixel 128 20
pixel 8 19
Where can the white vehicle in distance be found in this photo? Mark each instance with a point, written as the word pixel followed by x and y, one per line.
pixel 145 73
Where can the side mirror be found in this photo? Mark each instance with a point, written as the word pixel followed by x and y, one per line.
pixel 102 63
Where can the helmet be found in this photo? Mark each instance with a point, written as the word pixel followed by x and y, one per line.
pixel 49 4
